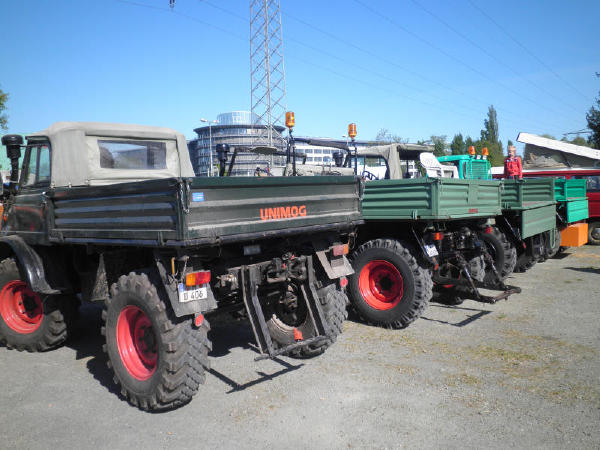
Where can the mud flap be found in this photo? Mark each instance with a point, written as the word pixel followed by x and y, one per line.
pixel 336 266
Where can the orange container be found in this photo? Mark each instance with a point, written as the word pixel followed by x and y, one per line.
pixel 574 235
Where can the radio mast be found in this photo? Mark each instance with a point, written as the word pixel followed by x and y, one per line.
pixel 267 72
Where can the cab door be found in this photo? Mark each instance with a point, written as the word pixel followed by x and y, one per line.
pixel 27 215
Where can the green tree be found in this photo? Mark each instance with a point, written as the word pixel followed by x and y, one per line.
pixel 548 136
pixel 490 138
pixel 469 143
pixel 593 120
pixel 3 117
pixel 457 146
pixel 439 145
pixel 578 140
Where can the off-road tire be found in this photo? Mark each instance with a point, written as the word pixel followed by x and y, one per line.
pixel 551 251
pixel 593 237
pixel 53 320
pixel 181 348
pixel 524 262
pixel 333 303
pixel 396 259
pixel 502 251
pixel 477 268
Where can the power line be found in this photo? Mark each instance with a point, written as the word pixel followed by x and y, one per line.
pixel 491 55
pixel 533 55
pixel 445 53
pixel 362 50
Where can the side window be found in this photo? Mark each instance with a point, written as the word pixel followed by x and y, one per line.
pixel 36 168
pixel 592 182
pixel 137 155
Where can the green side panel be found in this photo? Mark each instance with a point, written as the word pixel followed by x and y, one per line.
pixel 517 194
pixel 565 189
pixel 537 220
pixel 431 199
pixel 577 209
pixel 234 205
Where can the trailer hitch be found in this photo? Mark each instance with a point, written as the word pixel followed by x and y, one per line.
pixel 471 287
pixel 252 276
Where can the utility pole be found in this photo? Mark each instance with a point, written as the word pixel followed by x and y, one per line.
pixel 267 72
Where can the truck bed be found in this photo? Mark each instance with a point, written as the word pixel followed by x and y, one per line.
pixel 202 211
pixel 430 199
pixel 527 193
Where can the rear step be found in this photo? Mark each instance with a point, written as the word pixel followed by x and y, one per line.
pixel 251 277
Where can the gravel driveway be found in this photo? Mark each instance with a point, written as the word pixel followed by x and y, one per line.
pixel 521 373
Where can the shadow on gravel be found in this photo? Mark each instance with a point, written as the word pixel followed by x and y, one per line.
pixel 227 333
pixel 87 343
pixel 236 387
pixel 585 269
pixel 479 314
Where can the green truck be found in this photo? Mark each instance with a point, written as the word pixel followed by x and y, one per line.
pixel 534 211
pixel 422 231
pixel 112 213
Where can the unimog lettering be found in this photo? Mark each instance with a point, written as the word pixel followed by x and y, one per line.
pixel 282 212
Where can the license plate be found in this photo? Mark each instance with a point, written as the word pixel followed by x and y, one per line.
pixel 431 250
pixel 192 294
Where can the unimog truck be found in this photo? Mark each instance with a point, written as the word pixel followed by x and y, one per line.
pixel 112 213
pixel 535 211
pixel 422 229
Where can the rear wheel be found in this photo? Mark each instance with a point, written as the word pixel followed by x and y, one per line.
pixel 553 245
pixel 502 252
pixel 157 358
pixel 389 287
pixel 30 321
pixel 525 262
pixel 594 233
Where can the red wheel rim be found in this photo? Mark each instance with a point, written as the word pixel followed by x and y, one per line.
pixel 381 284
pixel 21 308
pixel 137 343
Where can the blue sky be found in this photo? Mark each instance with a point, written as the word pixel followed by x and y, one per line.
pixel 416 67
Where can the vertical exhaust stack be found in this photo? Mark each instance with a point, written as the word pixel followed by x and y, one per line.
pixel 338 157
pixel 13 143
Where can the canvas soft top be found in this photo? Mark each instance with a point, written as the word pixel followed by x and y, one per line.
pixel 76 153
pixel 391 153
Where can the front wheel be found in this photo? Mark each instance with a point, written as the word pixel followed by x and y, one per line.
pixel 28 320
pixel 157 358
pixel 388 288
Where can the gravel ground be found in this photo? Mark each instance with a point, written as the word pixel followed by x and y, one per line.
pixel 521 373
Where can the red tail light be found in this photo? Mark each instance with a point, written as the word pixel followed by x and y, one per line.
pixel 197 278
pixel 488 230
pixel 438 236
pixel 339 250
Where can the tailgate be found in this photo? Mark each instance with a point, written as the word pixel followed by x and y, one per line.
pixel 229 206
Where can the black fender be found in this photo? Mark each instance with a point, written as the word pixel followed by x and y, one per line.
pixel 29 261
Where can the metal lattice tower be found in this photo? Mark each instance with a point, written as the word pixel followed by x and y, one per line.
pixel 267 71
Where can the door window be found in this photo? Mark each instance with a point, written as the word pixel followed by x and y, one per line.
pixel 36 169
